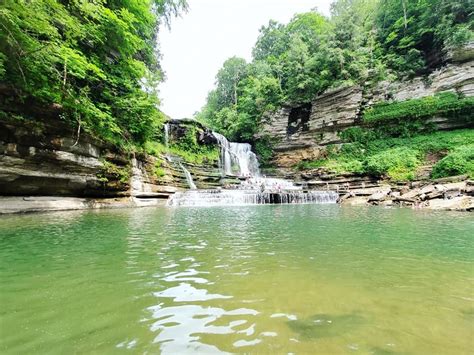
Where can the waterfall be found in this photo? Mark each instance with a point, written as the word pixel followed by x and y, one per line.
pixel 236 158
pixel 167 136
pixel 187 174
pixel 205 198
pixel 189 178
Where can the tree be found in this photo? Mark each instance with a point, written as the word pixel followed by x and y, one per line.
pixel 364 40
pixel 414 35
pixel 88 57
pixel 227 80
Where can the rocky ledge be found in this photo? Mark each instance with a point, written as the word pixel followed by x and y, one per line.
pixel 453 194
pixel 28 204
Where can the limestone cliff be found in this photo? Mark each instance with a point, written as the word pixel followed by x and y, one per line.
pixel 44 157
pixel 302 132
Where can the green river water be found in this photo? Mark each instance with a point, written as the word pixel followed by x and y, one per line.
pixel 306 279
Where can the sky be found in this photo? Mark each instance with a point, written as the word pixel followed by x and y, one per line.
pixel 203 38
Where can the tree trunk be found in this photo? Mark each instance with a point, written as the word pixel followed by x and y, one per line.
pixel 405 13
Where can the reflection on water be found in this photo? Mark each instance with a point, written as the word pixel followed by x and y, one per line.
pixel 265 279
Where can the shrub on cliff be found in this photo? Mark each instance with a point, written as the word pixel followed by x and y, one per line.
pixel 459 161
pixel 444 104
pixel 399 164
pixel 363 42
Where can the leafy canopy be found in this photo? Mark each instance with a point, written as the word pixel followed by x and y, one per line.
pixel 363 40
pixel 95 59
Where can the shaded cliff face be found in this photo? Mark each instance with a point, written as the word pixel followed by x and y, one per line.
pixel 340 108
pixel 44 158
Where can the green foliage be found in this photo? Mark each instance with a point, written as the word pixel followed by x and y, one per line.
pixel 95 59
pixel 207 154
pixel 414 34
pixel 357 135
pixel 155 148
pixel 459 161
pixel 363 41
pixel 191 151
pixel 158 170
pixel 264 149
pixel 448 104
pixel 334 165
pixel 397 158
pixel 397 163
pixel 291 64
pixel 187 147
pixel 112 172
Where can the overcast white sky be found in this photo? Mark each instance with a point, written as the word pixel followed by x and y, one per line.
pixel 212 31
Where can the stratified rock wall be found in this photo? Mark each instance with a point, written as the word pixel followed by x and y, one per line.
pixel 43 158
pixel 339 108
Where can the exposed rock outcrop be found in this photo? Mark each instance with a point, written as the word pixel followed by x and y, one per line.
pixel 43 157
pixel 339 108
pixel 453 194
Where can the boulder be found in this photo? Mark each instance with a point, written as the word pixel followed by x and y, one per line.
pixel 427 189
pixel 460 203
pixel 434 194
pixel 378 196
pixel 410 195
pixel 355 201
pixel 455 186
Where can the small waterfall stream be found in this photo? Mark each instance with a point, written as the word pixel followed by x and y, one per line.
pixel 167 135
pixel 187 174
pixel 189 178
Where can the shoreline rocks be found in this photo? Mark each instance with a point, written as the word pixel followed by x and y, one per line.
pixel 448 194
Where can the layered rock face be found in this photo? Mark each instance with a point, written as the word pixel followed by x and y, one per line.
pixel 45 158
pixel 302 135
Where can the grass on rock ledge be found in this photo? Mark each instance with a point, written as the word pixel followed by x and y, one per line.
pixel 400 159
pixel 198 155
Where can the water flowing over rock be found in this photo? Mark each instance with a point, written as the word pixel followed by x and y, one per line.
pixel 167 135
pixel 204 198
pixel 189 178
pixel 237 158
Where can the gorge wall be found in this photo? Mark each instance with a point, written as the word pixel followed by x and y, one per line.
pixel 46 165
pixel 302 133
pixel 44 157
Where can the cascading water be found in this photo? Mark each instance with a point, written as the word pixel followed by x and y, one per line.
pixel 237 158
pixel 203 198
pixel 189 178
pixel 167 135
pixel 187 174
